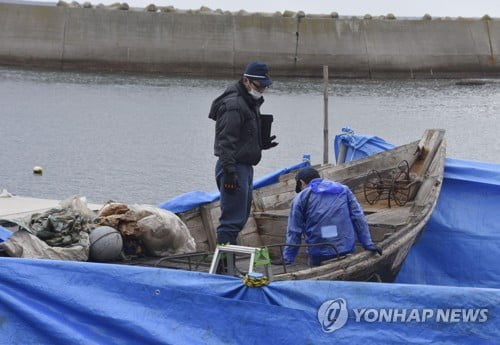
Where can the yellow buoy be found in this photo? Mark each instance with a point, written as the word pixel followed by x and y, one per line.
pixel 37 170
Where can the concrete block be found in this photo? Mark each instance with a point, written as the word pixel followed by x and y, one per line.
pixel 31 33
pixel 340 44
pixel 269 39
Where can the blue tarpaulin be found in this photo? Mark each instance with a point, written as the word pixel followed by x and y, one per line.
pixel 55 302
pixel 4 234
pixel 461 242
pixel 358 146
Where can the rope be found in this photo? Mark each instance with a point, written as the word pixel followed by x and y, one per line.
pixel 256 280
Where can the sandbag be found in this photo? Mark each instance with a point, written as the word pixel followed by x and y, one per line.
pixel 159 231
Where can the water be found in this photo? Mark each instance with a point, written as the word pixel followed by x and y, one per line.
pixel 145 139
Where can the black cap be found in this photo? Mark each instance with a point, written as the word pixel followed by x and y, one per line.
pixel 306 174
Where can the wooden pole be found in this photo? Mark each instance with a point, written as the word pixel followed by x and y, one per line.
pixel 325 115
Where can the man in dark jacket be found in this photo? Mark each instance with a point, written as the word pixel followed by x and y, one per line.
pixel 325 212
pixel 238 145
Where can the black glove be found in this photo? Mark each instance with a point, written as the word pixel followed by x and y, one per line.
pixel 374 248
pixel 230 182
pixel 270 144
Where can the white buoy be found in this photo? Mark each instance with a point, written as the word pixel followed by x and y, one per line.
pixel 37 170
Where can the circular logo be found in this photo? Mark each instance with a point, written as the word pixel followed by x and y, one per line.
pixel 332 315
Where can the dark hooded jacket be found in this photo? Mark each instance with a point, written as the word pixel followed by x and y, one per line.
pixel 237 127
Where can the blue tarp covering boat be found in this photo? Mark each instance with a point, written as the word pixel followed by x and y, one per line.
pixel 462 239
pixel 461 244
pixel 54 302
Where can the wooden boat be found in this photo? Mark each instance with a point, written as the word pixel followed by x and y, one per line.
pixel 398 190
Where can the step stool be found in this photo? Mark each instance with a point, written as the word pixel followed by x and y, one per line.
pixel 256 256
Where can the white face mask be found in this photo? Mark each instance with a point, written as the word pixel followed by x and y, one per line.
pixel 255 94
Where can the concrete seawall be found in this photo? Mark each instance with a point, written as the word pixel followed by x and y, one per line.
pixel 222 44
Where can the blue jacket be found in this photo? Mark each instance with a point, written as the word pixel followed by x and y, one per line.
pixel 332 209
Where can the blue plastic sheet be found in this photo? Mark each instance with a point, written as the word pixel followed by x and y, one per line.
pixel 461 242
pixel 53 302
pixel 358 146
pixel 4 234
pixel 194 199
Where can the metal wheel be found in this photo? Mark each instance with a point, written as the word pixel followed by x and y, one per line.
pixel 373 188
pixel 400 191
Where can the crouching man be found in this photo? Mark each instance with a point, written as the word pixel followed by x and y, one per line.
pixel 325 212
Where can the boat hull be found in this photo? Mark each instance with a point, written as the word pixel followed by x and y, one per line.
pixel 394 228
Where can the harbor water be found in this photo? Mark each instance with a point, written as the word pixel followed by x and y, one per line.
pixel 147 138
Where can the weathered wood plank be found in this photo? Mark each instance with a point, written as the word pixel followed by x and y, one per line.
pixel 392 218
pixel 249 235
pixel 210 214
pixel 271 226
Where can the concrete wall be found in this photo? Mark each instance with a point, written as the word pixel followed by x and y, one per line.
pixel 221 45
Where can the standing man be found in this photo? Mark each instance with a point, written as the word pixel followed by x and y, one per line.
pixel 325 212
pixel 238 145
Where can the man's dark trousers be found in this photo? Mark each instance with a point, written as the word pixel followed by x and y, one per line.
pixel 235 208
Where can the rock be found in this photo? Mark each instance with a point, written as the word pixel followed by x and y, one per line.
pixel 62 3
pixel 205 10
pixel 114 6
pixel 151 8
pixel 168 9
